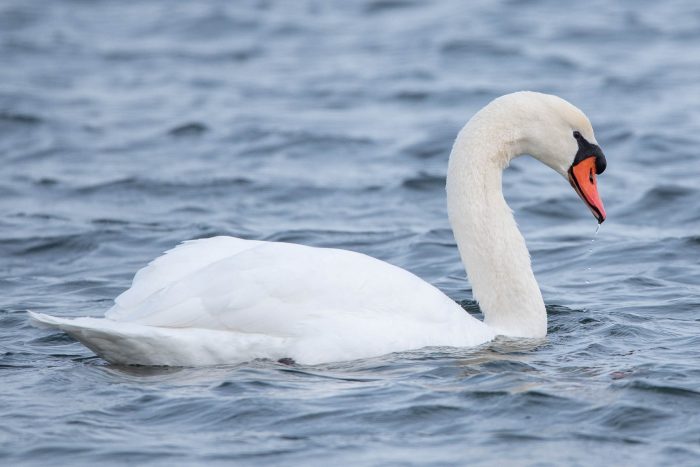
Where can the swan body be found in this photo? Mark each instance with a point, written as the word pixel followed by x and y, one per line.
pixel 224 299
pixel 228 300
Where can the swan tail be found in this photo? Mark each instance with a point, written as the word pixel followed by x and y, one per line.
pixel 115 343
pixel 126 343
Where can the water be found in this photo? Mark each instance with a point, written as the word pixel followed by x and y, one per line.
pixel 128 127
pixel 588 259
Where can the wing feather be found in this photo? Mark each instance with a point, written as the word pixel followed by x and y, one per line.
pixel 172 266
pixel 274 288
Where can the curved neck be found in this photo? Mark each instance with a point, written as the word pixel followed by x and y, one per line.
pixel 491 246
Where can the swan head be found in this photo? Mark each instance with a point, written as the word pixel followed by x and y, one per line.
pixel 560 135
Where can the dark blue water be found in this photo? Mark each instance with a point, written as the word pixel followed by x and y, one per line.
pixel 126 127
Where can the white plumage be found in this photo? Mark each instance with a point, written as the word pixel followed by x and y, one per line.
pixel 228 300
pixel 224 300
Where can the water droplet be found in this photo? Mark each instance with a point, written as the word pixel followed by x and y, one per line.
pixel 589 253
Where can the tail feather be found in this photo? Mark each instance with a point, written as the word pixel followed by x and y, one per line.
pixel 135 344
pixel 41 320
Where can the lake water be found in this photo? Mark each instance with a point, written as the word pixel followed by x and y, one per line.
pixel 127 127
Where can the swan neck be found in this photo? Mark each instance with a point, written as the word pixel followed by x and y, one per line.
pixel 490 244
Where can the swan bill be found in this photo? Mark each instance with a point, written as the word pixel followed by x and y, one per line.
pixel 583 177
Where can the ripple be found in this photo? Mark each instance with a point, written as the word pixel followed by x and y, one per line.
pixel 380 6
pixel 189 129
pixel 39 246
pixel 20 118
pixel 478 47
pixel 330 124
pixel 425 182
pixel 633 419
pixel 151 186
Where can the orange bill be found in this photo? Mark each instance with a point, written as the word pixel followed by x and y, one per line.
pixel 582 177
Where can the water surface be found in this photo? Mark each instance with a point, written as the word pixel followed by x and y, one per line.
pixel 128 127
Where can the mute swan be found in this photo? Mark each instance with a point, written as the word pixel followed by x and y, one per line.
pixel 227 300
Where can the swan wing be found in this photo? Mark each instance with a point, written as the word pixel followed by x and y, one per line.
pixel 274 288
pixel 174 265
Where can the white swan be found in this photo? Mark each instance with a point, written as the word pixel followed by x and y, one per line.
pixel 228 300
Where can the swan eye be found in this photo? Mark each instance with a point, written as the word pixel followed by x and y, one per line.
pixel 577 135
